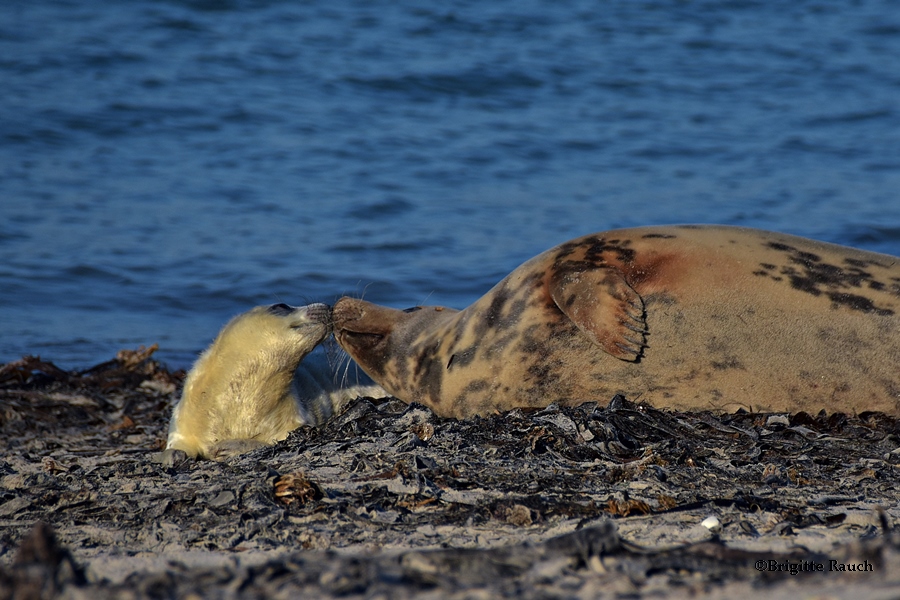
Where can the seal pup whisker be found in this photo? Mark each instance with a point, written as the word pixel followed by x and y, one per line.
pixel 258 381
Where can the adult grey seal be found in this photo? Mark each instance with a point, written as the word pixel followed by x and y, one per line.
pixel 688 317
pixel 249 388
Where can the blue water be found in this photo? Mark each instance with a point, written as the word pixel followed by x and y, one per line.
pixel 165 165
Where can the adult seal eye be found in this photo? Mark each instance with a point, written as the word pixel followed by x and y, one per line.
pixel 281 309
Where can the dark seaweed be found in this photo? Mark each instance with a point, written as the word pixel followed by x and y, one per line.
pixel 80 462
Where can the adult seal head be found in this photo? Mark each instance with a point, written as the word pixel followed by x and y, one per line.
pixel 688 317
pixel 249 388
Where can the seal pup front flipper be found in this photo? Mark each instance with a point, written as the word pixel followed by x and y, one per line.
pixel 604 307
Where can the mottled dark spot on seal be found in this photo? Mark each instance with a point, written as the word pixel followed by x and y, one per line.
pixel 780 247
pixel 660 236
pixel 808 257
pixel 590 252
pixel 867 264
pixel 858 303
pixel 661 298
pixel 565 250
pixel 473 387
pixel 532 341
pixel 492 315
pixel 500 344
pixel 715 345
pixel 515 311
pixel 730 362
pixel 461 358
pixel 542 376
pixel 476 385
pixel 800 282
pixel 535 278
pixel 816 278
pixel 459 330
pixel 619 247
pixel 429 374
pixel 401 367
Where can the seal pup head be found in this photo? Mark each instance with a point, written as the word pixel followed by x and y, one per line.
pixel 238 394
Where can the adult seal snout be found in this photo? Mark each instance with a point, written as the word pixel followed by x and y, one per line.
pixel 688 317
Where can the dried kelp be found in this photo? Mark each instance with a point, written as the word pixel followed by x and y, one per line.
pixel 390 499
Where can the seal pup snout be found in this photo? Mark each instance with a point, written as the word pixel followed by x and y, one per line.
pixel 312 317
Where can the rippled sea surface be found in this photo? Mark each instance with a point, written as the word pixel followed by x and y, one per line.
pixel 165 165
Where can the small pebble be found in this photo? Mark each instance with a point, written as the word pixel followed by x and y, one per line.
pixel 778 420
pixel 712 523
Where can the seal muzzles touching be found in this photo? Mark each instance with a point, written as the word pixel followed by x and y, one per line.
pixel 249 388
pixel 688 317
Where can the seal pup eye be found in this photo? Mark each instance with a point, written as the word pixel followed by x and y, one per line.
pixel 281 309
pixel 413 309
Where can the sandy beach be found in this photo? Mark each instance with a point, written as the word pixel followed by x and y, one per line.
pixel 610 499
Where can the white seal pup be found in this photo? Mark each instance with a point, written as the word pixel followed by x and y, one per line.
pixel 249 388
pixel 686 317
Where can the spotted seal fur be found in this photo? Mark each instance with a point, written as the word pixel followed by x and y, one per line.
pixel 688 317
pixel 249 388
